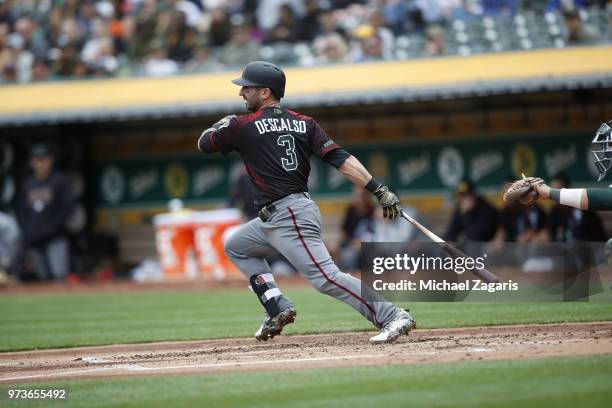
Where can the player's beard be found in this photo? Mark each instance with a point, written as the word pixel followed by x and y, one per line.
pixel 253 104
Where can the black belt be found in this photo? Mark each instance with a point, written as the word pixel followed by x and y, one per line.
pixel 267 210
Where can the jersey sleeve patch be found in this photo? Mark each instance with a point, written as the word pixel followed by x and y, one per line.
pixel 320 142
pixel 328 147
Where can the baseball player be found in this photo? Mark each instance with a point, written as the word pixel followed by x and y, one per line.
pixel 275 144
pixel 599 199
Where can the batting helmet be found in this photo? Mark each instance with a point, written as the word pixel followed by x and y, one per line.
pixel 262 73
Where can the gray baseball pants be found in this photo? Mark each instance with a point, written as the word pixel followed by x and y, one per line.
pixel 294 230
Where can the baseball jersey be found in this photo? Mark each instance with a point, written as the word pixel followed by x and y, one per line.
pixel 275 144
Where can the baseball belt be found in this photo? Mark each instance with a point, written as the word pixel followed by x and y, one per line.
pixel 267 210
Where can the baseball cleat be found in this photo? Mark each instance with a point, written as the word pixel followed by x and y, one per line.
pixel 274 326
pixel 401 325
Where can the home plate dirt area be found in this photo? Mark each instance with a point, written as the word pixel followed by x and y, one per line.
pixel 307 351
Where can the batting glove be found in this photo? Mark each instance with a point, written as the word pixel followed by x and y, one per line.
pixel 224 122
pixel 389 202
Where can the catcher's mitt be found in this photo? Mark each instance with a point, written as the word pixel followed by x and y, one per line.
pixel 523 191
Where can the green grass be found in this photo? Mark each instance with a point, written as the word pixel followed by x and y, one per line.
pixel 68 320
pixel 562 382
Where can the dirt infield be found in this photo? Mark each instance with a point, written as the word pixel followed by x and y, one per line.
pixel 309 351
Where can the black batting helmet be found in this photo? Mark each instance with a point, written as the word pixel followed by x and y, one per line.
pixel 262 73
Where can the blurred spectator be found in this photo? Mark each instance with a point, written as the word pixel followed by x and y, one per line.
pixel 120 31
pixel 80 70
pixel 241 48
pixel 368 46
pixel 519 223
pixel 202 61
pixel 6 55
pixel 158 64
pixel 308 26
pixel 560 5
pixel 348 248
pixel 43 206
pixel 9 244
pixel 435 11
pixel 34 39
pixel 466 9
pixel 268 12
pixel 436 41
pixel 474 217
pixel 396 15
pixel 191 9
pixel 144 31
pixel 414 21
pixel 577 32
pixel 71 34
pixel 380 229
pixel 499 8
pixel 341 4
pixel 40 70
pixel 331 49
pixel 98 51
pixel 286 27
pixel 66 64
pixel 371 49
pixel 568 224
pixel 20 64
pixel 376 228
pixel 328 24
pixel 5 13
pixel 181 39
pixel 8 74
pixel 86 13
pixel 220 27
pixel 377 21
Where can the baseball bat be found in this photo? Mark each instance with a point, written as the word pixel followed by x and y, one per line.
pixel 483 274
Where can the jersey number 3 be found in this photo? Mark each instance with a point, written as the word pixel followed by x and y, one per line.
pixel 289 142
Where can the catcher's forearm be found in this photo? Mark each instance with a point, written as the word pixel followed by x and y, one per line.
pixel 572 197
pixel 599 199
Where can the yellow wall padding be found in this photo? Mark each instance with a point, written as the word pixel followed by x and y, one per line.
pixel 95 95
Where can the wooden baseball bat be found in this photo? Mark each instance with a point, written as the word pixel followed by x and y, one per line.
pixel 483 274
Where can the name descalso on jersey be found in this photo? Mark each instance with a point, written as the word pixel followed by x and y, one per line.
pixel 266 125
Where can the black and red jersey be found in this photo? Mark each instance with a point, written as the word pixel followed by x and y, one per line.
pixel 275 144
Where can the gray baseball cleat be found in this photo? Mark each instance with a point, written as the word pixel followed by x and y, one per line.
pixel 402 324
pixel 274 326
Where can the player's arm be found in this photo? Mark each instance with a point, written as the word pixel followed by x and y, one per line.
pixel 357 174
pixel 353 170
pixel 218 137
pixel 583 198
